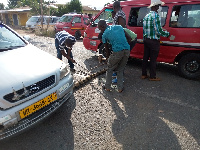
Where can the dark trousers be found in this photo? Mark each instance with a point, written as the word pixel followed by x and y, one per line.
pixel 59 54
pixel 151 51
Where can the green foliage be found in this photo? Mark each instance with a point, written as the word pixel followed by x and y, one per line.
pixel 61 10
pixel 75 6
pixel 13 3
pixel 2 7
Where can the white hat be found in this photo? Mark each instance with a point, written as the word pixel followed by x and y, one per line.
pixel 156 2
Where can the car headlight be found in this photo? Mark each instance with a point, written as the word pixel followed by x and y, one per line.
pixel 4 119
pixel 63 71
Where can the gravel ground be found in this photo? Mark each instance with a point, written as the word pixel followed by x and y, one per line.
pixel 147 115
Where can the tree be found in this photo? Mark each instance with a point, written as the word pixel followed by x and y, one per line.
pixel 13 3
pixel 2 7
pixel 61 10
pixel 75 5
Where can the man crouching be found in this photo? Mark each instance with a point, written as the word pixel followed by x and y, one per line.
pixel 63 43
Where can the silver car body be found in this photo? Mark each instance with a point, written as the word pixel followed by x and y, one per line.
pixel 28 79
pixel 36 20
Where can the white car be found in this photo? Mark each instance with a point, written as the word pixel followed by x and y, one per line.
pixel 33 83
pixel 36 20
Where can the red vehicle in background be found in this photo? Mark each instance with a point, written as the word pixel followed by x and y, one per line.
pixel 180 17
pixel 73 23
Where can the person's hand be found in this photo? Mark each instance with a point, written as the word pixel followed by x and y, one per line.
pixel 100 58
pixel 73 61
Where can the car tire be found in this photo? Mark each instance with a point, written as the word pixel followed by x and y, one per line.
pixel 189 66
pixel 78 35
pixel 103 50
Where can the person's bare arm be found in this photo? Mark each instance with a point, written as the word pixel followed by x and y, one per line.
pixel 67 55
pixel 121 21
pixel 128 38
pixel 107 50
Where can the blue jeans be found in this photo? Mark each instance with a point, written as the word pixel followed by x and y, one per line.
pixel 59 54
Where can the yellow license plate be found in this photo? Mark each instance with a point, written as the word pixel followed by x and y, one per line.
pixel 38 105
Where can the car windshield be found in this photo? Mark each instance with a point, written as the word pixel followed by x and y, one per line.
pixel 66 19
pixel 33 19
pixel 8 40
pixel 106 15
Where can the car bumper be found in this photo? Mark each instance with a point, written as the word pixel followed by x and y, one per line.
pixel 14 127
pixel 91 44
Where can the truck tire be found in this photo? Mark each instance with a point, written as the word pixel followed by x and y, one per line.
pixel 102 49
pixel 189 66
pixel 77 35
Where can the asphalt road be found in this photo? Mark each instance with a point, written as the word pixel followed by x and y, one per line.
pixel 162 115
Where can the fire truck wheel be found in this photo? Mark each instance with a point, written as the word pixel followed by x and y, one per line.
pixel 102 49
pixel 189 66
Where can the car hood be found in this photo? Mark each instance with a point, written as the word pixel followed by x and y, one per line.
pixel 26 65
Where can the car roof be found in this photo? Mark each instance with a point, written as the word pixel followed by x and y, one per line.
pixel 148 2
pixel 75 15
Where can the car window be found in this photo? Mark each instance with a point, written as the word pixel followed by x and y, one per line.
pixel 66 19
pixel 55 19
pixel 85 20
pixel 8 40
pixel 77 19
pixel 106 15
pixel 33 19
pixel 137 15
pixel 185 16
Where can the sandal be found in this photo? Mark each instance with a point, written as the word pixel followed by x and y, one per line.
pixel 120 90
pixel 106 89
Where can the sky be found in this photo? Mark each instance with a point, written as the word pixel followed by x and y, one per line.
pixel 99 4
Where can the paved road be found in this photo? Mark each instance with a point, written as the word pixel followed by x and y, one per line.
pixel 147 115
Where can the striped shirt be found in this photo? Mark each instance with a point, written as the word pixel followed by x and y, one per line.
pixel 62 36
pixel 120 13
pixel 152 26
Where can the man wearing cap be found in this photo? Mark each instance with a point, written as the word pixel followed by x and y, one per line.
pixel 63 43
pixel 152 31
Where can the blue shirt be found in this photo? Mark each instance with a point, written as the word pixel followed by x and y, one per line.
pixel 116 37
pixel 62 36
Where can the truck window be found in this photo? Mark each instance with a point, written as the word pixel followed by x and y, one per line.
pixel 137 15
pixel 66 19
pixel 106 15
pixel 185 16
pixel 85 20
pixel 77 19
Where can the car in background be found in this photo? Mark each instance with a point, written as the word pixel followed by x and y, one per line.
pixel 35 21
pixel 74 24
pixel 32 22
pixel 34 83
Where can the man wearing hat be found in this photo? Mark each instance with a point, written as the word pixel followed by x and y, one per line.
pixel 152 30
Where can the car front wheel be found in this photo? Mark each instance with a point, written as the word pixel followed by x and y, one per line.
pixel 77 35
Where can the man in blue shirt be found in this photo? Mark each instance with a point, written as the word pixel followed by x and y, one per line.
pixel 119 39
pixel 63 43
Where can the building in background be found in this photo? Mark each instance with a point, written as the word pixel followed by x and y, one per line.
pixel 16 16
